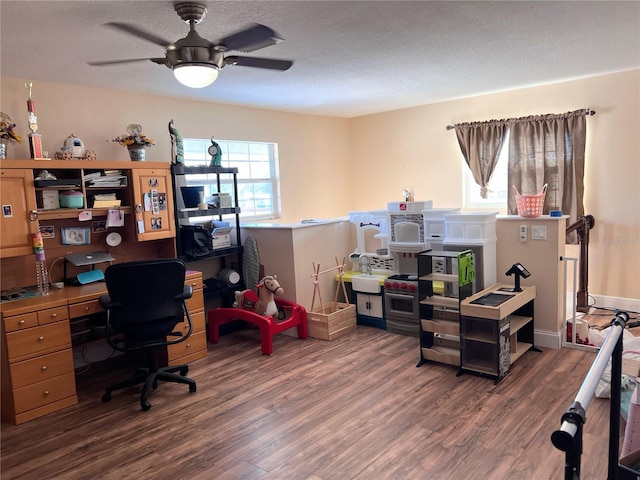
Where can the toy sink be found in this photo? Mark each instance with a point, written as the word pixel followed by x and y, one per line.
pixel 367 283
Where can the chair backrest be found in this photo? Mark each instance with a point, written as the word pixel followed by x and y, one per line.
pixel 148 297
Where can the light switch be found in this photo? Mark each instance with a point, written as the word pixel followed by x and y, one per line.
pixel 538 232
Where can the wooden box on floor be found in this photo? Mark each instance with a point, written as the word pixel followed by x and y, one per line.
pixel 331 321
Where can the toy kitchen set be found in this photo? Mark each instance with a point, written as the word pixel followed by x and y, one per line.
pixel 385 276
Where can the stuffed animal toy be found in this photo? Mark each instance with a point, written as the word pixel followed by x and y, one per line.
pixel 263 303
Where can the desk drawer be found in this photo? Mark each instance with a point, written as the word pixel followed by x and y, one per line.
pixel 194 280
pixel 41 368
pixel 52 315
pixel 38 340
pixel 196 302
pixel 42 393
pixel 85 308
pixel 19 322
pixel 197 319
pixel 195 343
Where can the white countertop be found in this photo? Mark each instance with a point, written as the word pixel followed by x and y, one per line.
pixel 290 226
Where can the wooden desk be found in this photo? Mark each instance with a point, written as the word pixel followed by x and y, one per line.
pixel 37 355
pixel 493 337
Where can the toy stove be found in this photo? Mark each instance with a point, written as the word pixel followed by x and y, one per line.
pixel 402 304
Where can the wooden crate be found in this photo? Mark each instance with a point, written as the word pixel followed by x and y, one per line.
pixel 335 320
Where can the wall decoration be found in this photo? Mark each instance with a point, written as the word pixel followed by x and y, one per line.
pixel 75 235
pixel 99 226
pixel 47 231
pixel 7 211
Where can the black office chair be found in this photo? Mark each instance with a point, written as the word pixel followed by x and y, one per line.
pixel 146 301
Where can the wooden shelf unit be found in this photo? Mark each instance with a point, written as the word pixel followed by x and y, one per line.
pixel 493 337
pixel 440 311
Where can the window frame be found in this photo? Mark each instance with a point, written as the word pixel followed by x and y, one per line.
pixel 265 159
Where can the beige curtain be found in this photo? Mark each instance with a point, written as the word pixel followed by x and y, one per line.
pixel 480 143
pixel 549 149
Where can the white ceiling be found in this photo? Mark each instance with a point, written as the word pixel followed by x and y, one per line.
pixel 351 58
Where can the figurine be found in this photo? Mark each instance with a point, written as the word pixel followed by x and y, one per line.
pixel 177 149
pixel 216 154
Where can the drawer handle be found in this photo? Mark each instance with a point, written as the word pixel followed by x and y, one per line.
pixel 46 392
pixel 43 368
pixel 21 322
pixel 40 339
pixel 86 309
pixel 188 345
pixel 54 315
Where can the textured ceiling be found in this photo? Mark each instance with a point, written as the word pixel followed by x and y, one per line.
pixel 351 58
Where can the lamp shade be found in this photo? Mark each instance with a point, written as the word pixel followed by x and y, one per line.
pixel 195 75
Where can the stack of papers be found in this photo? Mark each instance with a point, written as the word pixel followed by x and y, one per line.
pixel 105 200
pixel 108 178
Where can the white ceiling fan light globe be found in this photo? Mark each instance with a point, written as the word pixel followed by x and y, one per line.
pixel 195 75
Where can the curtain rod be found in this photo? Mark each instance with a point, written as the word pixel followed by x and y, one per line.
pixel 587 111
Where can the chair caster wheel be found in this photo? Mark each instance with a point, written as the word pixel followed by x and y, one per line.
pixel 145 406
pixel 184 370
pixel 192 388
pixel 106 398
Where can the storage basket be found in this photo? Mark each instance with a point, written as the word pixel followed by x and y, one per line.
pixel 530 206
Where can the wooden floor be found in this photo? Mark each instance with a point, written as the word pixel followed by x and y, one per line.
pixel 353 408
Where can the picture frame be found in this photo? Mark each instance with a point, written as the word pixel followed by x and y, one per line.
pixel 99 226
pixel 47 231
pixel 75 235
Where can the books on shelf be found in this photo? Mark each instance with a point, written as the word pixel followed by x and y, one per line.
pixel 104 200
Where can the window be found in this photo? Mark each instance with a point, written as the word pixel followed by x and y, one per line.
pixel 257 164
pixel 498 185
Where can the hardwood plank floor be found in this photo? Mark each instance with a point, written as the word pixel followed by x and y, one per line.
pixel 353 408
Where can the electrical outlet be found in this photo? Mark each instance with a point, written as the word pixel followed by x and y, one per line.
pixel 523 233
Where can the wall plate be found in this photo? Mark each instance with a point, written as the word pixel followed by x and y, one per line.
pixel 114 239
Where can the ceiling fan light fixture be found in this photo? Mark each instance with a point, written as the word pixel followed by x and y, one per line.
pixel 196 75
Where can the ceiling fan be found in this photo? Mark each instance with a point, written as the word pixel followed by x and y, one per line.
pixel 196 61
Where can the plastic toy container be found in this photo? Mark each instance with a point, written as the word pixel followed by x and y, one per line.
pixel 434 222
pixel 477 227
pixel 71 199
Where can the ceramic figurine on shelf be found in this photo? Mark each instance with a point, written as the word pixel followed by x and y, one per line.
pixel 216 154
pixel 177 149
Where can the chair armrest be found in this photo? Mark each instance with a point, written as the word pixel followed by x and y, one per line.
pixel 106 302
pixel 187 292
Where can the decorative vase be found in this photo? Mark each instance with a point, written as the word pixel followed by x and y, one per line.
pixel 136 152
pixel 3 147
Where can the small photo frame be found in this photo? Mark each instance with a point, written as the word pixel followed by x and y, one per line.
pixel 156 223
pixel 75 235
pixel 99 226
pixel 7 211
pixel 47 231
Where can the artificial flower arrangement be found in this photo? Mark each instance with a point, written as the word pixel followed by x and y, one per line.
pixel 134 136
pixel 7 129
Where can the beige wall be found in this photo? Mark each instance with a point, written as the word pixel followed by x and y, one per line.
pixel 412 147
pixel 330 166
pixel 313 150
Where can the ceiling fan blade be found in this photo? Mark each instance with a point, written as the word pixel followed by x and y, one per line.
pixel 138 32
pixel 161 61
pixel 250 39
pixel 270 63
